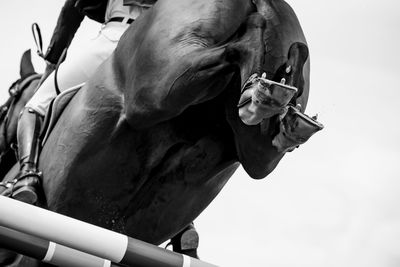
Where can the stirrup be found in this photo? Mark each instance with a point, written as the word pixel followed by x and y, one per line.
pixel 24 174
pixel 27 193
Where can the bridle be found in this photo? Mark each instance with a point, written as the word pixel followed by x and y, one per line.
pixel 15 91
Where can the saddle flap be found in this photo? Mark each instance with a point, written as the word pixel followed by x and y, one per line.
pixel 56 108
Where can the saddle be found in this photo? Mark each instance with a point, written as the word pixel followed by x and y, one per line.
pixel 55 110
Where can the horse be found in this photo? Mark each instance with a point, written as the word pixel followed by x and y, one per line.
pixel 19 94
pixel 152 138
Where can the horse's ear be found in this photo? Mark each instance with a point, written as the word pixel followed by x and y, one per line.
pixel 299 50
pixel 26 66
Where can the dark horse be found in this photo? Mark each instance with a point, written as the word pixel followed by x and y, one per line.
pixel 155 134
pixel 19 94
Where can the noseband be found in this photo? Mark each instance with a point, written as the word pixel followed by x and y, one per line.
pixel 15 91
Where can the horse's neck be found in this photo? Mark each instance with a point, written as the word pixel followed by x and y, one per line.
pixel 117 70
pixel 123 56
pixel 108 75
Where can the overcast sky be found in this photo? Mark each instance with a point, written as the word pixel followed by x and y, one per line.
pixel 335 200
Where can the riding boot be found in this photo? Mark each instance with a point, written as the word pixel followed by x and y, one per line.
pixel 186 242
pixel 26 184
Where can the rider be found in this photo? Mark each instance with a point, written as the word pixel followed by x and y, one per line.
pixel 116 16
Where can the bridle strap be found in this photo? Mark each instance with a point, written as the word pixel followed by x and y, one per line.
pixel 18 88
pixel 6 119
pixel 14 94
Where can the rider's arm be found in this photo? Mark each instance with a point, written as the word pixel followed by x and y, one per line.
pixel 68 23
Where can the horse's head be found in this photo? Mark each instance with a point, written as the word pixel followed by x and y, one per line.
pixel 19 93
pixel 285 61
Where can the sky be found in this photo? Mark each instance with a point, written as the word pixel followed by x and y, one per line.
pixel 333 202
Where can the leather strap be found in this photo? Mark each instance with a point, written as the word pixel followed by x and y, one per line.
pixel 121 19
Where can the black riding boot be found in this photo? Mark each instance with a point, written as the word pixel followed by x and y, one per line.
pixel 186 242
pixel 26 185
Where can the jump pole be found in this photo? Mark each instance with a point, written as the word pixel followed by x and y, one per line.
pixel 47 251
pixel 89 238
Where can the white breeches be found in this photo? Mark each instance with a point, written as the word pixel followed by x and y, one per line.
pixel 78 66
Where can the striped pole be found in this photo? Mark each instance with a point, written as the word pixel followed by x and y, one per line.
pixel 89 238
pixel 47 251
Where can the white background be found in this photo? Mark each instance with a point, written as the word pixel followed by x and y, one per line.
pixel 335 200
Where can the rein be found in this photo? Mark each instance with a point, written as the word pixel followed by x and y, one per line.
pixel 15 91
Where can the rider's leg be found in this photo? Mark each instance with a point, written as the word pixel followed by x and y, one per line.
pixel 75 70
pixel 25 185
pixel 78 67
